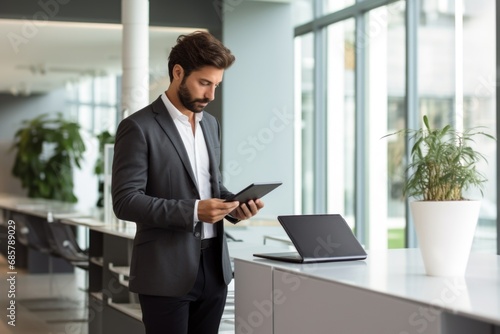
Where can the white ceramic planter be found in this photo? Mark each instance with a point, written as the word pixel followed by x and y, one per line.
pixel 445 231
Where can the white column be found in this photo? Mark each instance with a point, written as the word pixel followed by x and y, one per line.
pixel 135 55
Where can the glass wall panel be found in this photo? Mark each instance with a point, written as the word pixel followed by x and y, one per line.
pixel 436 61
pixel 340 103
pixel 94 103
pixel 104 119
pixel 304 92
pixel 105 90
pixel 330 6
pixel 85 117
pixel 385 111
pixel 479 94
pixel 456 81
pixel 85 92
pixel 457 86
pixel 302 11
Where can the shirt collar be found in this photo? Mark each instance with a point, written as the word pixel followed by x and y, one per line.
pixel 175 113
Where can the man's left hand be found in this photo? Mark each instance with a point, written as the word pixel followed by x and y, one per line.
pixel 247 210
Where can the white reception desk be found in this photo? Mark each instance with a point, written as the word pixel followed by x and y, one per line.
pixel 387 293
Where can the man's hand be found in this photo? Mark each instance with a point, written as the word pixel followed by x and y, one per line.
pixel 248 209
pixel 214 209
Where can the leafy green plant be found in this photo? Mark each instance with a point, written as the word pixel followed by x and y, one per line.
pixel 46 151
pixel 442 163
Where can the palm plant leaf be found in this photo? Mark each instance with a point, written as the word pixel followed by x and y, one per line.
pixel 442 163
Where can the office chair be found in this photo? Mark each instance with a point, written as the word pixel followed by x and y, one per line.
pixel 30 232
pixel 62 242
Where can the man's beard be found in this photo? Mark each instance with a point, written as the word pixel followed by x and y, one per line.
pixel 187 99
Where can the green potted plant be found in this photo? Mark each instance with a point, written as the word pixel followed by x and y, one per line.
pixel 443 164
pixel 47 148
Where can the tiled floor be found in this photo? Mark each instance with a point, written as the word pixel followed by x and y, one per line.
pixel 45 304
pixel 54 304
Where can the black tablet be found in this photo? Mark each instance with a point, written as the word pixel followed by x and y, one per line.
pixel 254 191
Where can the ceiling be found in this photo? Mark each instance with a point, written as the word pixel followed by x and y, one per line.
pixel 43 57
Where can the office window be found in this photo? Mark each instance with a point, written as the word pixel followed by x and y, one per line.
pixel 359 95
pixel 385 47
pixel 83 90
pixel 458 86
pixel 304 92
pixel 340 104
pixel 93 101
pixel 303 11
pixel 85 116
pixel 330 6
pixel 105 90
pixel 479 106
pixel 105 119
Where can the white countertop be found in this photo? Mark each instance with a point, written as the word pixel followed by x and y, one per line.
pixel 92 218
pixel 399 273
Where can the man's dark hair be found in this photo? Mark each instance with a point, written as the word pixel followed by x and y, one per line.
pixel 197 50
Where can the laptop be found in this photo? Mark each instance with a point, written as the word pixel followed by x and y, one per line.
pixel 318 238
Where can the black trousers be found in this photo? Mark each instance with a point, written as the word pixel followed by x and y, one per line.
pixel 198 312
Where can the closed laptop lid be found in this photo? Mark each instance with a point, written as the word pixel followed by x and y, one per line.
pixel 322 236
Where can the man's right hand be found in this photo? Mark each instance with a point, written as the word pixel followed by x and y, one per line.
pixel 215 209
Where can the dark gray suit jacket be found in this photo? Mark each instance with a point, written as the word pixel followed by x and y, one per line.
pixel 154 186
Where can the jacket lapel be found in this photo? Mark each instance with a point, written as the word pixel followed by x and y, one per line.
pixel 209 140
pixel 167 124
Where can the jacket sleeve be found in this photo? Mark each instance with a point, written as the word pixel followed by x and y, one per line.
pixel 224 193
pixel 129 182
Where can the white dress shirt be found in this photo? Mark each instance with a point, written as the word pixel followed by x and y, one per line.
pixel 198 157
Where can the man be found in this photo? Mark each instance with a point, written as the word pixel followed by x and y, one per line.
pixel 166 178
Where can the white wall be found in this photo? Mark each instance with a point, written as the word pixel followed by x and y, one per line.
pixel 258 114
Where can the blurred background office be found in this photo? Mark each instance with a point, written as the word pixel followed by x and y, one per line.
pixel 316 85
